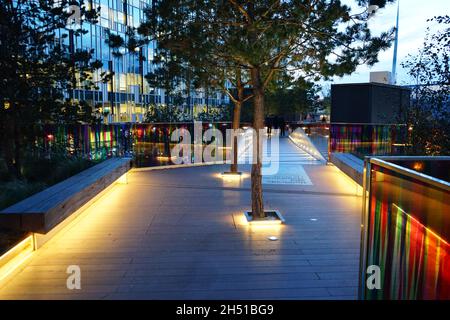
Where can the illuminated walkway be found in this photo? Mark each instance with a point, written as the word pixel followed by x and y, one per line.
pixel 180 234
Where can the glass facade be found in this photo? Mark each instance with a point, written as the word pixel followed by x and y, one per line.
pixel 126 97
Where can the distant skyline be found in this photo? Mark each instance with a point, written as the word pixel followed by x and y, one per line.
pixel 412 31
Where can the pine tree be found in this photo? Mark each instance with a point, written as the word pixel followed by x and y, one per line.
pixel 40 67
pixel 429 114
pixel 309 39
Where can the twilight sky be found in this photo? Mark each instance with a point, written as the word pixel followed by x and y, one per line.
pixel 412 28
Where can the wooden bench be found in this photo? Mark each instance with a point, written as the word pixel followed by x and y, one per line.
pixel 350 165
pixel 43 211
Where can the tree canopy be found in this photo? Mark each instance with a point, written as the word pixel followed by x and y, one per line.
pixel 40 67
pixel 292 101
pixel 429 114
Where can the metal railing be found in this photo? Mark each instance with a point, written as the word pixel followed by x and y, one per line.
pixel 360 139
pixel 148 143
pixel 406 228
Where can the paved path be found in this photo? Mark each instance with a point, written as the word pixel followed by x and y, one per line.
pixel 180 234
pixel 289 161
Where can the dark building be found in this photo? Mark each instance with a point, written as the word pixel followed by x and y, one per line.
pixel 369 103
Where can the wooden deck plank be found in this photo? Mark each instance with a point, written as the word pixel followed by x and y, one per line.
pixel 178 234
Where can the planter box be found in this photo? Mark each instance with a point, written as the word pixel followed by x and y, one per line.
pixel 43 211
pixel 228 173
pixel 272 217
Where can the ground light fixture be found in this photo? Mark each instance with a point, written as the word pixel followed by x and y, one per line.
pixel 166 158
pixel 273 217
pixel 231 175
pixel 16 256
pixel 14 259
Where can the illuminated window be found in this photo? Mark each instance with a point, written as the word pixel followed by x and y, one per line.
pixel 123 83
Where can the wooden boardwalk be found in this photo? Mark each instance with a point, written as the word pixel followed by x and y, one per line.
pixel 180 234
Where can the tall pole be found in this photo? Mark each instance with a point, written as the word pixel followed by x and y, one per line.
pixel 394 60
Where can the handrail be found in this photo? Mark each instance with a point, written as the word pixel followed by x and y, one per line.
pixel 381 161
pixel 410 199
pixel 349 123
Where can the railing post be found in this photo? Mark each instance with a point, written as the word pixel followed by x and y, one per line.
pixel 364 223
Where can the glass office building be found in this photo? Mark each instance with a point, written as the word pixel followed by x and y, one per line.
pixel 126 97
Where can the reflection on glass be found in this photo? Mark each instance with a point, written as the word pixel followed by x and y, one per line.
pixel 408 234
pixel 149 144
pixel 367 139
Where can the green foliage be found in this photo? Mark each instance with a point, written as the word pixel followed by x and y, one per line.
pixel 38 173
pixel 325 102
pixel 217 114
pixel 173 113
pixel 40 69
pixel 54 169
pixel 166 113
pixel 275 35
pixel 429 114
pixel 311 40
pixel 180 72
pixel 290 101
pixel 17 190
pixel 270 44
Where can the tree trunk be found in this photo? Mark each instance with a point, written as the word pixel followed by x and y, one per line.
pixel 206 101
pixel 258 125
pixel 235 127
pixel 11 147
pixel 237 119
